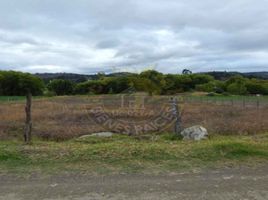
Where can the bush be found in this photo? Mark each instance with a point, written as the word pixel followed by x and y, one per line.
pixel 61 87
pixel 257 87
pixel 236 85
pixel 90 87
pixel 237 89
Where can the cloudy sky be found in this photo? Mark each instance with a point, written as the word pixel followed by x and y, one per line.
pixel 89 36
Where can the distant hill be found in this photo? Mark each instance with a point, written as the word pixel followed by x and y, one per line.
pixel 261 75
pixel 119 74
pixel 77 78
pixel 222 75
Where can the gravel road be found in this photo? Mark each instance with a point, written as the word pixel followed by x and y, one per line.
pixel 222 184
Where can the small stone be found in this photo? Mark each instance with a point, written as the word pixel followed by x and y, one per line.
pixel 101 134
pixel 227 177
pixel 53 185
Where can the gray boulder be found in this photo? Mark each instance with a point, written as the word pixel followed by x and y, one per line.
pixel 195 133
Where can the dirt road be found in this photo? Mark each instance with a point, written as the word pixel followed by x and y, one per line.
pixel 223 184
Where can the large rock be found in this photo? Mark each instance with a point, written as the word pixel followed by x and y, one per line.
pixel 195 133
pixel 101 134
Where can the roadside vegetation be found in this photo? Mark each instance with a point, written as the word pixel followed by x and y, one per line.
pixel 124 154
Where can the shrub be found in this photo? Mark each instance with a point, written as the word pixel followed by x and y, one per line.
pixel 61 87
pixel 237 89
pixel 257 87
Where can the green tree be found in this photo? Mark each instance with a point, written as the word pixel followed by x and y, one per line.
pixel 157 80
pixel 61 87
pixel 237 88
pixel 212 86
pixel 91 87
pixel 236 85
pixel 200 79
pixel 177 83
pixel 18 83
pixel 116 85
pixel 255 86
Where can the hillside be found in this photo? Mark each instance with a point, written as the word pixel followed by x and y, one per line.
pixel 77 78
pixel 223 75
pixel 67 76
pixel 218 75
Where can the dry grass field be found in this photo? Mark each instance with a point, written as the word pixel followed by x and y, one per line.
pixel 62 118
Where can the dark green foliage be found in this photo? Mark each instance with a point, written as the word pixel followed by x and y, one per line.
pixel 90 87
pixel 61 87
pixel 154 82
pixel 116 85
pixel 255 86
pixel 236 85
pixel 150 81
pixel 157 80
pixel 183 83
pixel 212 86
pixel 237 88
pixel 223 75
pixel 18 84
pixel 144 84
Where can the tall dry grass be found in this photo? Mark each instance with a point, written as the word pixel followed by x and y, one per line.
pixel 220 119
pixel 68 117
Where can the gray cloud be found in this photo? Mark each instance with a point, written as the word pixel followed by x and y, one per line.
pixel 87 36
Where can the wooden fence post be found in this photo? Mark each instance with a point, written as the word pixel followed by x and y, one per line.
pixel 28 122
pixel 176 113
pixel 258 103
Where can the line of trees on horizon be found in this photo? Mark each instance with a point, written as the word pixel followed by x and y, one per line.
pixel 152 82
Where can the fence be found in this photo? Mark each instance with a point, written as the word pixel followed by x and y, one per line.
pixel 71 116
pixel 241 101
pixel 252 102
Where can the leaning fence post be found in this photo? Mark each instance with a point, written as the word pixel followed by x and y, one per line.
pixel 28 122
pixel 177 116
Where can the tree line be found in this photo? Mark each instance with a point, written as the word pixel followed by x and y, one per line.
pixel 150 81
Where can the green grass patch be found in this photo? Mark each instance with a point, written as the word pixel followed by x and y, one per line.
pixel 18 98
pixel 128 154
pixel 11 98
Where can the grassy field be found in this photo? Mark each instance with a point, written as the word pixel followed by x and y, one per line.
pixel 253 101
pixel 228 98
pixel 11 98
pixel 236 138
pixel 64 118
pixel 17 98
pixel 124 154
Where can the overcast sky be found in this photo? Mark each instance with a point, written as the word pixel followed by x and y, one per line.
pixel 89 36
